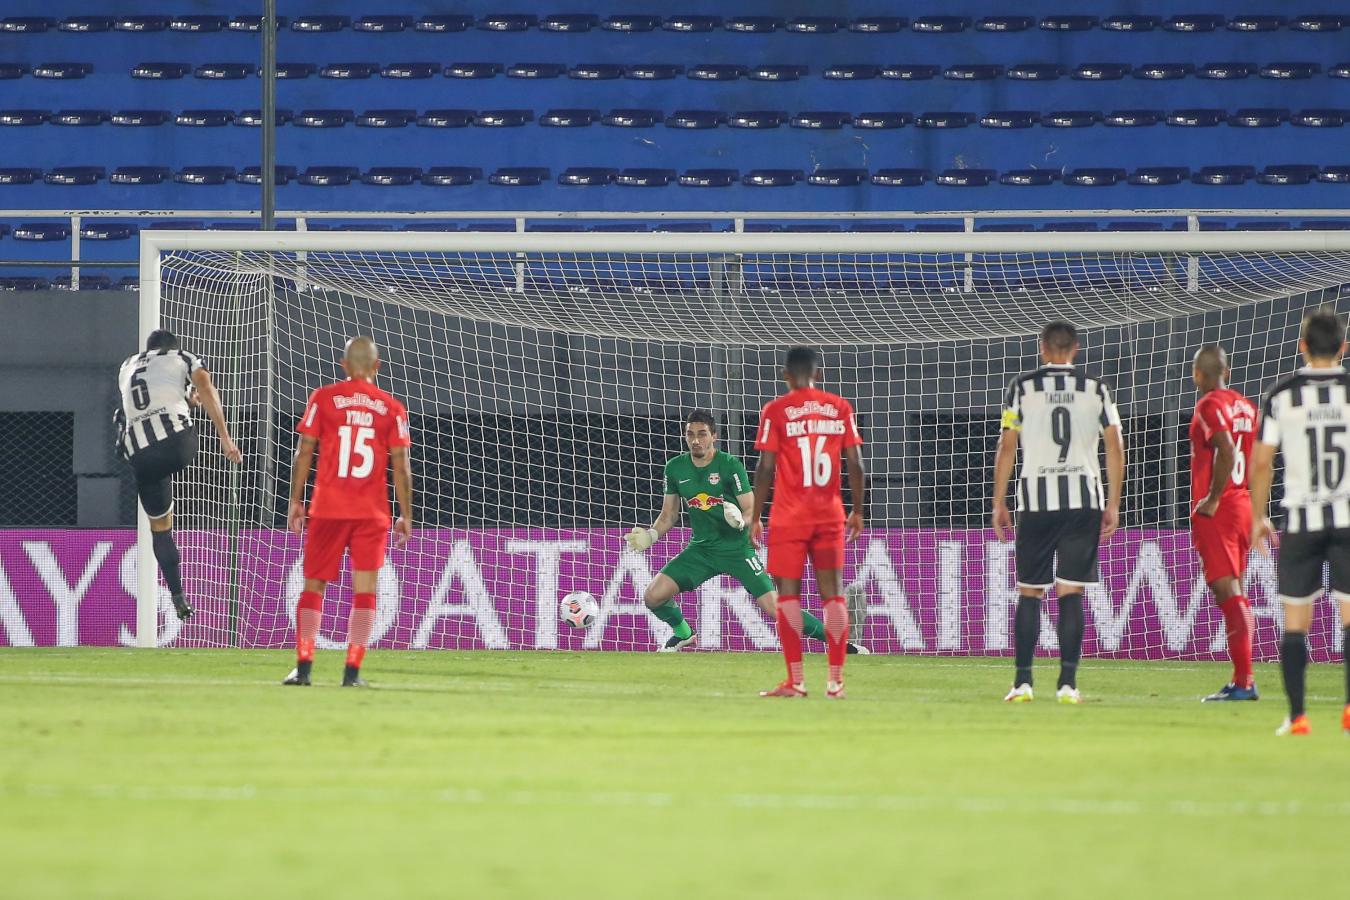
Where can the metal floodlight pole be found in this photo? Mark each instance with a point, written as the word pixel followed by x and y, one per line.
pixel 269 115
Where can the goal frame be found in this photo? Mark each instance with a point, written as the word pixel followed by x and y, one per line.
pixel 154 244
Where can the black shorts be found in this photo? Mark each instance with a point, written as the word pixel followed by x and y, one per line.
pixel 1302 556
pixel 1060 545
pixel 155 467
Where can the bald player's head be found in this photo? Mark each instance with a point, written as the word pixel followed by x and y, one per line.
pixel 1211 368
pixel 361 357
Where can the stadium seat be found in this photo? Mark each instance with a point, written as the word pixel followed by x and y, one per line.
pixel 1223 175
pixel 225 71
pixel 631 24
pixel 1068 23
pixel 910 72
pixel 253 175
pixel 939 227
pixel 965 177
pixel 972 72
pixel 10 71
pixel 619 227
pixel 252 118
pixel 1194 23
pixel 473 70
pixel 451 176
pixel 1132 118
pixel 1135 224
pixel 1035 71
pixel 323 118
pixel 692 24
pixel 107 231
pixel 816 24
pixel 62 70
pixel 508 22
pixel 250 23
pixel 383 24
pixel 24 283
pixel 204 118
pixel 1005 24
pixel 320 24
pixel 632 118
pixel 75 176
pixel 596 71
pixel 141 23
pixel 944 119
pixel 410 70
pixel 645 177
pixel 444 24
pixel 654 71
pixel 391 176
pixel 349 70
pixel 139 175
pixel 940 24
pixel 772 177
pixel 488 226
pixel 1159 175
pixel 812 228
pixel 446 118
pixel 1340 70
pixel 23 117
pixel 882 120
pixel 295 71
pixel 328 176
pixel 1108 71
pixel 1130 23
pixel 87 283
pixel 837 177
pixel 1071 226
pixel 1287 174
pixel 1195 118
pixel 900 177
pixel 762 228
pixel 820 119
pixel 519 176
pixel 1005 227
pixel 204 175
pixel 1226 70
pixel 714 72
pixel 1319 118
pixel 570 118
pixel 1290 70
pixel 1316 23
pixel 695 118
pixel 709 178
pixel 1029 177
pixel 503 118
pixel 1167 71
pixel 174 225
pixel 160 71
pixel 386 118
pixel 688 227
pixel 1325 225
pixel 1071 118
pixel 754 24
pixel 86 24
pixel 197 24
pixel 19 175
pixel 1267 225
pixel 41 231
pixel 850 73
pixel 1258 118
pixel 588 176
pixel 789 72
pixel 1094 177
pixel 1009 119
pixel 1334 175
pixel 430 226
pixel 26 24
pixel 760 118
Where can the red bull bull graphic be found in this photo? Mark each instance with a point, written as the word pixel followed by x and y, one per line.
pixel 703 501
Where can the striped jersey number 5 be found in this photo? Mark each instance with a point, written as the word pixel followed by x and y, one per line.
pixel 355 441
pixel 816 464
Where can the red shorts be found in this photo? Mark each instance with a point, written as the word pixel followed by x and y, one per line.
pixel 327 539
pixel 789 546
pixel 1224 540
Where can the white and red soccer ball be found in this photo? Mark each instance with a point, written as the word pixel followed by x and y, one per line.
pixel 578 609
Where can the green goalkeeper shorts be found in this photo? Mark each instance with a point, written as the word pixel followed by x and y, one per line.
pixel 694 566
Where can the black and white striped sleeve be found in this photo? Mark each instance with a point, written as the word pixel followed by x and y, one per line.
pixel 1270 421
pixel 1110 415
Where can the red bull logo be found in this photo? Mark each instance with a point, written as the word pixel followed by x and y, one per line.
pixel 704 502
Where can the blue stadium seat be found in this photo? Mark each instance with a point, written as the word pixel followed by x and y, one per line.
pixel 1130 23
pixel 248 23
pixel 972 72
pixel 1029 177
pixel 837 177
pixel 391 176
pixel 688 227
pixel 645 177
pixel 386 118
pixel 410 70
pixel 790 72
pixel 1005 227
pixel 1325 225
pixel 910 72
pixel 1072 225
pixel 900 177
pixel 1290 70
pixel 430 226
pixel 19 175
pixel 596 71
pixel 1071 118
pixel 850 73
pixel 1258 118
pixel 87 283
pixel 225 71
pixel 772 177
pixel 1267 225
pixel 1322 23
pixel 252 118
pixel 204 175
pixel 619 227
pixel 878 24
pixel 585 176
pixel 86 24
pixel 79 117
pixel 323 118
pixel 295 71
pixel 74 176
pixel 107 231
pixel 714 72
pixel 692 24
pixel 944 119
pixel 488 226
pixel 570 118
pixel 695 118
pixel 1005 24
pixel 204 118
pixel 632 118
pixel 253 175
pixel 197 24
pixel 882 120
pixel 383 24
pixel 328 176
pixel 818 119
pixel 519 176
pixel 1165 71
pixel 444 24
pixel 1195 118
pixel 508 22
pixel 174 225
pixel 62 70
pixel 762 228
pixel 653 71
pixel 754 24
pixel 631 24
pixel 1287 174
pixel 1135 224
pixel 1197 23
pixel 709 178
pixel 1159 175
pixel 1010 118
pixel 1132 118
pixel 816 24
pixel 24 117
pixel 940 24
pixel 812 228
pixel 320 24
pixel 451 176
pixel 1319 118
pixel 473 70
pixel 757 118
pixel 939 227
pixel 10 71
pixel 503 118
pixel 41 231
pixel 446 118
pixel 1334 175
pixel 160 71
pixel 26 24
pixel 1107 71
pixel 569 22
pixel 24 283
pixel 1035 71
pixel 1223 175
pixel 349 70
pixel 1227 71
pixel 141 23
pixel 1068 23
pixel 139 175
pixel 1094 177
pixel 564 227
pixel 965 177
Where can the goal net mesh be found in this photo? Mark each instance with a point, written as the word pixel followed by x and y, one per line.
pixel 547 390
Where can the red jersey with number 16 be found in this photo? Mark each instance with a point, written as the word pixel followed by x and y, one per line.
pixel 808 429
pixel 1221 410
pixel 355 424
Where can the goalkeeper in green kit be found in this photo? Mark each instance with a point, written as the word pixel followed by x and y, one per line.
pixel 714 487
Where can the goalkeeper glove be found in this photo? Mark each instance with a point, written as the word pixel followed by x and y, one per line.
pixel 732 513
pixel 640 538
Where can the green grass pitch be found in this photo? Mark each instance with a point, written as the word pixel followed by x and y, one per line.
pixel 171 773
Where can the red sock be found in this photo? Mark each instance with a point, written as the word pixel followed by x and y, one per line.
pixel 836 636
pixel 308 612
pixel 789 620
pixel 1239 623
pixel 359 626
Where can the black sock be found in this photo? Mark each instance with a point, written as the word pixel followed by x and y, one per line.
pixel 1070 631
pixel 1294 665
pixel 1026 632
pixel 1345 651
pixel 166 554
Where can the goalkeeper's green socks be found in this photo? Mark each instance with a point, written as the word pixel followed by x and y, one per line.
pixel 812 627
pixel 669 612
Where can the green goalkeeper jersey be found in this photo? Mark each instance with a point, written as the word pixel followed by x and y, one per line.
pixel 703 490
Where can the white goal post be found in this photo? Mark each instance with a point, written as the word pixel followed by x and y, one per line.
pixel 565 362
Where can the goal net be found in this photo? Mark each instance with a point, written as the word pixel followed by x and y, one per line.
pixel 548 376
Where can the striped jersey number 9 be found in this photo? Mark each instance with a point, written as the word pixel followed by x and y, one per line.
pixel 816 464
pixel 1061 430
pixel 355 440
pixel 1239 462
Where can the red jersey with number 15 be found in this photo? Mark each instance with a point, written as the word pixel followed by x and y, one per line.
pixel 1221 410
pixel 808 429
pixel 355 424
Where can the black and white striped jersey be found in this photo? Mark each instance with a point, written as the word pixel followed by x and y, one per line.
pixel 1307 418
pixel 1059 414
pixel 154 387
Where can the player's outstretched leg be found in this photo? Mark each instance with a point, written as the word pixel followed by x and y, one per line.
pixel 1294 666
pixel 170 563
pixel 789 624
pixel 1069 629
pixel 359 626
pixel 1026 633
pixel 308 611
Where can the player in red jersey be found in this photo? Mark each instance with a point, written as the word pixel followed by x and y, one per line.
pixel 1222 431
pixel 801 437
pixel 358 429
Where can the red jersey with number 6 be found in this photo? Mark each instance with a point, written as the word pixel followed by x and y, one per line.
pixel 355 424
pixel 808 429
pixel 1221 410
